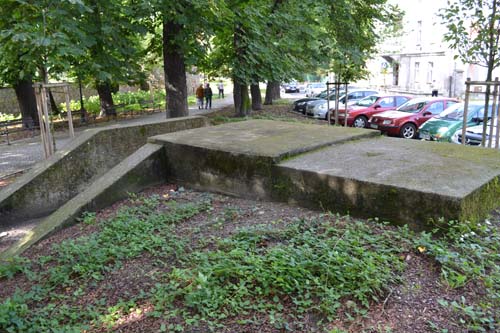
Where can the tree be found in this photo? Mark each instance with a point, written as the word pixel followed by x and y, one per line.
pixel 184 28
pixel 32 36
pixel 111 49
pixel 474 31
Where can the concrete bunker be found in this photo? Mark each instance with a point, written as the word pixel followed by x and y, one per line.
pixel 344 170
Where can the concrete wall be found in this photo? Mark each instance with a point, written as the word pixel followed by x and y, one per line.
pixel 53 182
pixel 142 169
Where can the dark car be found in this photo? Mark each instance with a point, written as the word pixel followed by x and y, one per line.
pixel 359 113
pixel 300 105
pixel 291 87
pixel 406 119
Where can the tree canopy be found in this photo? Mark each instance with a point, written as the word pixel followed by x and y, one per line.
pixel 249 41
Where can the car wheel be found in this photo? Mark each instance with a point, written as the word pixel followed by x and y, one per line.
pixel 408 131
pixel 360 122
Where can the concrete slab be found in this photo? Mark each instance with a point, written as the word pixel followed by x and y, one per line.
pixel 403 181
pixel 237 158
pixel 444 169
pixel 344 170
pixel 264 138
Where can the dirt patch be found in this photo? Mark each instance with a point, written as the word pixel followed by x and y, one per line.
pixel 411 305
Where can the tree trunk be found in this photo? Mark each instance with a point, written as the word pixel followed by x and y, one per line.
pixel 256 97
pixel 241 99
pixel 493 45
pixel 53 104
pixel 175 72
pixel 106 99
pixel 27 102
pixel 272 92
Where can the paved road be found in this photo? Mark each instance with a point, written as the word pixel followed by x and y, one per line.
pixel 22 154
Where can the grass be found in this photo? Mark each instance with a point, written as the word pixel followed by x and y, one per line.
pixel 326 265
pixel 8 117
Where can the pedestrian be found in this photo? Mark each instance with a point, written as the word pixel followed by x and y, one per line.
pixel 200 93
pixel 208 97
pixel 221 89
pixel 434 89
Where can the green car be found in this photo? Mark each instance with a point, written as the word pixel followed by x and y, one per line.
pixel 443 126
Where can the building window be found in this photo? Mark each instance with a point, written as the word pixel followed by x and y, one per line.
pixel 417 71
pixel 430 69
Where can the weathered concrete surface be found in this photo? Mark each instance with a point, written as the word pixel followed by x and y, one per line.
pixel 54 181
pixel 237 158
pixel 265 138
pixel 404 181
pixel 351 171
pixel 142 169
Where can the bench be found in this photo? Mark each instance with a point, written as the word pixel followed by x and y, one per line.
pixel 10 127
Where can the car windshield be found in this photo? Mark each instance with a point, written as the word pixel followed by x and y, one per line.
pixel 318 85
pixel 367 101
pixel 456 112
pixel 321 94
pixel 412 106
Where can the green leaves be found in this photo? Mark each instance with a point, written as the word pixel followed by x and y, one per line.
pixel 473 31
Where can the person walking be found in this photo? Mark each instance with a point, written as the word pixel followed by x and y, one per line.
pixel 221 89
pixel 200 93
pixel 208 97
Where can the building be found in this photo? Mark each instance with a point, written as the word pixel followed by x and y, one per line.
pixel 419 60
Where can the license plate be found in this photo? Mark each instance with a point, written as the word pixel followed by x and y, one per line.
pixel 374 126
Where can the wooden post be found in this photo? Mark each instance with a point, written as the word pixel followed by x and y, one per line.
pixel 337 96
pixel 151 91
pixel 493 108
pixel 68 110
pixel 328 115
pixel 43 132
pixel 345 105
pixel 45 108
pixel 466 106
pixel 497 136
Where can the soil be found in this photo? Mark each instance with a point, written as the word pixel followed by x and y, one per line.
pixel 409 306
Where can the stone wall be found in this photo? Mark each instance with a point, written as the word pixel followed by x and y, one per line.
pixel 9 104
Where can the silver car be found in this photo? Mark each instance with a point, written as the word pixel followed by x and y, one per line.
pixel 319 109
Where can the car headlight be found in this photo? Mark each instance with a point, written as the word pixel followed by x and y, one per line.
pixel 301 103
pixel 441 131
pixel 322 107
pixel 387 122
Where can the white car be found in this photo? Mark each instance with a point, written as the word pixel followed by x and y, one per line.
pixel 474 135
pixel 314 88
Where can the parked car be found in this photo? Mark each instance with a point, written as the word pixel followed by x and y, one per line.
pixel 359 113
pixel 291 87
pixel 314 88
pixel 474 135
pixel 319 108
pixel 300 105
pixel 442 127
pixel 406 119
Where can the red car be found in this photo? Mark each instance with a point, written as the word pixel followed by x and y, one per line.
pixel 405 120
pixel 359 113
